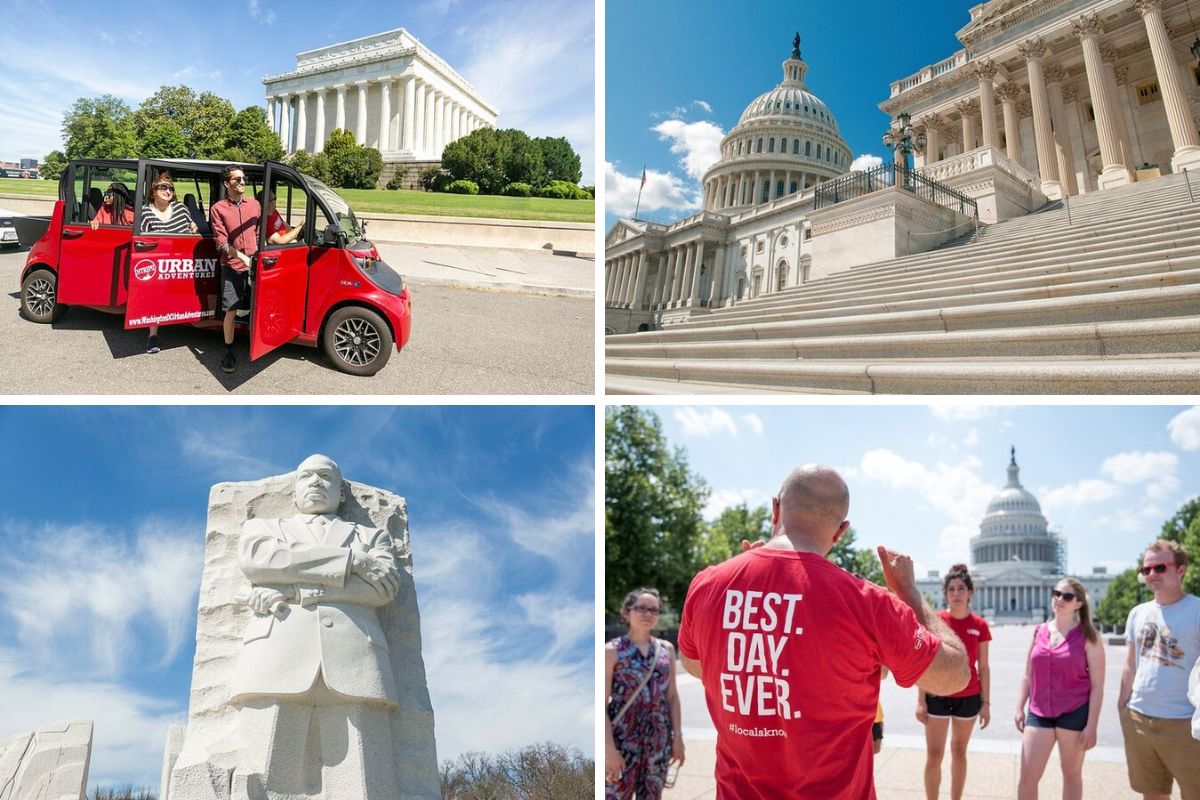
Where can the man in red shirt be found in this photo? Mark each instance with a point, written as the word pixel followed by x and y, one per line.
pixel 789 648
pixel 235 219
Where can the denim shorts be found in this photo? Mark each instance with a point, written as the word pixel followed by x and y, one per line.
pixel 1074 720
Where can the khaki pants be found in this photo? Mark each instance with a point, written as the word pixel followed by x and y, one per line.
pixel 318 745
pixel 1158 750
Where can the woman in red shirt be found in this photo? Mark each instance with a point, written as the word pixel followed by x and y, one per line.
pixel 116 210
pixel 958 712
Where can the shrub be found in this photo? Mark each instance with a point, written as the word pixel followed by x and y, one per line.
pixel 349 165
pixel 518 189
pixel 591 190
pixel 397 181
pixel 561 190
pixel 429 178
pixel 300 161
pixel 463 187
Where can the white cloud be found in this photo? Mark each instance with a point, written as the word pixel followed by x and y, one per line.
pixel 697 143
pixel 663 191
pixel 702 104
pixel 130 728
pixel 1185 429
pixel 1084 492
pixel 705 423
pixel 1138 467
pixel 79 595
pixel 972 438
pixel 258 13
pixel 960 412
pixel 865 162
pixel 557 536
pixel 568 619
pixel 721 499
pixel 755 422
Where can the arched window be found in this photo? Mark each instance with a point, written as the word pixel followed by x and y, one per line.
pixel 771 145
pixel 808 148
pixel 795 147
pixel 760 144
pixel 739 148
pixel 818 151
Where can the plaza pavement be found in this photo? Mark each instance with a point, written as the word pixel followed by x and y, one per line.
pixel 526 271
pixel 993 765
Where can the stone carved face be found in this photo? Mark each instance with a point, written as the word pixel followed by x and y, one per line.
pixel 318 486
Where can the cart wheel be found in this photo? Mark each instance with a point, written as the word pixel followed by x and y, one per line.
pixel 39 297
pixel 357 340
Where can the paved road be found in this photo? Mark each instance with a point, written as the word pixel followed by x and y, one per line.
pixel 901 729
pixel 464 341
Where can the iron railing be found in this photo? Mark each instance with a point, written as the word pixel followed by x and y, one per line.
pixel 886 176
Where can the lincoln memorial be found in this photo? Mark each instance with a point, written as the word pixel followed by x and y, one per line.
pixel 389 90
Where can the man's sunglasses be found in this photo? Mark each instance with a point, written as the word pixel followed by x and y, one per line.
pixel 1068 596
pixel 237 179
pixel 1159 568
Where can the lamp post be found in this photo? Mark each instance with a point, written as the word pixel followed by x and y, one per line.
pixel 901 139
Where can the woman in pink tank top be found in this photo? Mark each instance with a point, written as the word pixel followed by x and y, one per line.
pixel 1064 685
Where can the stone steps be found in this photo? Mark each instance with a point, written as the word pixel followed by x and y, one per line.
pixel 1110 304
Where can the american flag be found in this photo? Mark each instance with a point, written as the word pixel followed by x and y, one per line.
pixel 643 186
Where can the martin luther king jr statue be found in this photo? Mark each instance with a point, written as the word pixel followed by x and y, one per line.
pixel 313 708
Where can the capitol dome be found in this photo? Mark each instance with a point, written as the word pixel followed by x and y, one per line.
pixel 785 142
pixel 1014 529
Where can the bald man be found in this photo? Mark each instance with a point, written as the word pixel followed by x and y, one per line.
pixel 314 682
pixel 789 647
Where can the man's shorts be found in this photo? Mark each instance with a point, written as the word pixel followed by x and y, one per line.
pixel 235 290
pixel 1074 720
pixel 957 707
pixel 1157 750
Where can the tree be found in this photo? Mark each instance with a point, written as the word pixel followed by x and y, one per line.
pixel 861 562
pixel 1184 527
pixel 53 165
pixel 203 119
pixel 652 504
pixel 493 159
pixel 544 771
pixel 722 538
pixel 252 137
pixel 1122 595
pixel 99 127
pixel 163 140
pixel 560 162
pixel 347 164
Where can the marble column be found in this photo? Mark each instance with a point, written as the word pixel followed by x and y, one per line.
pixel 694 298
pixel 385 114
pixel 933 137
pixel 272 107
pixel 1173 88
pixel 1119 103
pixel 419 122
pixel 607 279
pixel 430 125
pixel 339 114
pixel 319 139
pixel 1114 173
pixel 285 112
pixel 656 290
pixel 986 71
pixel 301 120
pixel 968 109
pixel 439 103
pixel 1033 50
pixel 410 103
pixel 446 106
pixel 1054 75
pixel 639 284
pixel 717 297
pixel 1009 93
pixel 360 127
pixel 756 198
pixel 681 268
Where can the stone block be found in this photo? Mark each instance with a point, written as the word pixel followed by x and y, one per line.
pixel 48 764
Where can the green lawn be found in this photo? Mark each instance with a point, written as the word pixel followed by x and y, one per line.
pixel 406 201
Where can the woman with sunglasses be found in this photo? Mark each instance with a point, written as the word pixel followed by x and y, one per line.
pixel 642 727
pixel 116 209
pixel 164 214
pixel 956 714
pixel 1064 684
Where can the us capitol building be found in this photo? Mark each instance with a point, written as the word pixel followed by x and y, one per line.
pixel 1016 560
pixel 1047 99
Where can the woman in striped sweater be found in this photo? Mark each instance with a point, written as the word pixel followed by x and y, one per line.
pixel 164 214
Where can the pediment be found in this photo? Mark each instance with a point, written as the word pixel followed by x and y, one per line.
pixel 997 16
pixel 621 231
pixel 1016 575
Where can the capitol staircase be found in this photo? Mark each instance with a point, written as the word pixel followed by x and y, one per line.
pixel 1101 297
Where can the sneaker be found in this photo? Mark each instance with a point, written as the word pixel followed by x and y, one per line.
pixel 227 361
pixel 152 344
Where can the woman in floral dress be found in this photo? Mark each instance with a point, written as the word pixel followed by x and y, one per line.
pixel 643 735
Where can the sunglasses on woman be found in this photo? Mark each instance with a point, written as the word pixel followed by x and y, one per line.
pixel 1159 568
pixel 164 187
pixel 1068 596
pixel 646 609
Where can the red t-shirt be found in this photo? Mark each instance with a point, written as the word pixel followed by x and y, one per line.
pixel 790 647
pixel 972 630
pixel 275 224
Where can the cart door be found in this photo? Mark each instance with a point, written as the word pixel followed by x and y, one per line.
pixel 173 277
pixel 277 307
pixel 91 262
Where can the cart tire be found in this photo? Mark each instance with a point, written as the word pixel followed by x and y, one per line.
pixel 39 297
pixel 357 340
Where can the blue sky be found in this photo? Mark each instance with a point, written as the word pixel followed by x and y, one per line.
pixel 921 477
pixel 532 59
pixel 679 74
pixel 102 519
